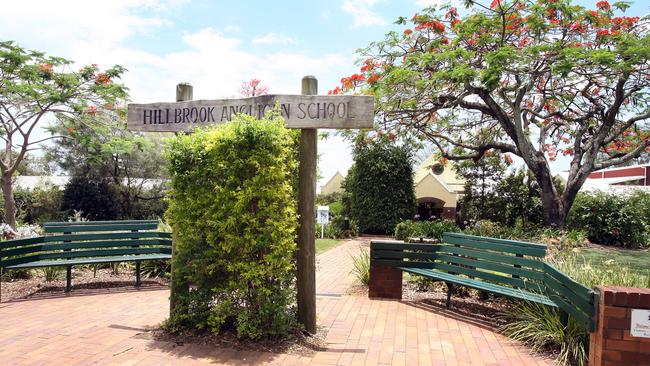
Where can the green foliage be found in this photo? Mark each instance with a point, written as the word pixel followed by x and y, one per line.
pixel 35 88
pixel 339 225
pixel 541 328
pixel 95 199
pixel 361 267
pixel 232 209
pixel 613 219
pixel 497 78
pixel 424 229
pixel 52 273
pixel 39 205
pixel 157 268
pixel 380 186
pixel 102 149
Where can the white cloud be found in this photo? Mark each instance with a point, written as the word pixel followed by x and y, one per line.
pixel 215 62
pixel 274 38
pixel 362 13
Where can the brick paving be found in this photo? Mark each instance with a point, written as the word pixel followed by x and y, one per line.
pixel 109 329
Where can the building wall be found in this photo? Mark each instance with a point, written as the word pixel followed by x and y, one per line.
pixel 334 185
pixel 431 187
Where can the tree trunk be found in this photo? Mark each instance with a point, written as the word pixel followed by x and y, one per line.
pixel 555 214
pixel 9 202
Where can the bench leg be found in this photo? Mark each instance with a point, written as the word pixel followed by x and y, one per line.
pixel 137 274
pixel 68 279
pixel 450 289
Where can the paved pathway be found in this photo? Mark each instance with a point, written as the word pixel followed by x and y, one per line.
pixel 108 329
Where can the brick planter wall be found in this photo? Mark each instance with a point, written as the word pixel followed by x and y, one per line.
pixel 385 282
pixel 611 343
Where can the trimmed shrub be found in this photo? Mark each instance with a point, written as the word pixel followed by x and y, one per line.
pixel 380 187
pixel 233 212
pixel 424 229
pixel 612 219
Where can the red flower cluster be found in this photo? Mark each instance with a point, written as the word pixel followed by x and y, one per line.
pixel 602 33
pixel 373 78
pixel 335 91
pixel 408 32
pixel 369 65
pixel 46 68
pixel 495 3
pixel 603 5
pixel 352 81
pixel 102 78
pixel 434 25
pixel 624 23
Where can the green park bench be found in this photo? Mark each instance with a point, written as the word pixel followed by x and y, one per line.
pixel 508 268
pixel 91 242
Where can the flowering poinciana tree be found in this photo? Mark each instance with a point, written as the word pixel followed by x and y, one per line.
pixel 34 86
pixel 530 78
pixel 253 88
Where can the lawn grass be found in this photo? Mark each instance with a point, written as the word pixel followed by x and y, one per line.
pixel 635 260
pixel 323 245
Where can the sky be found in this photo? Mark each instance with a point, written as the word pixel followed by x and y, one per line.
pixel 216 45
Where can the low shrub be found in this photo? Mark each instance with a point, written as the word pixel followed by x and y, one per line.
pixel 540 326
pixel 156 269
pixel 361 267
pixel 424 229
pixel 613 219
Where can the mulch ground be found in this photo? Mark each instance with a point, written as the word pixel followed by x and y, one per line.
pixel 82 279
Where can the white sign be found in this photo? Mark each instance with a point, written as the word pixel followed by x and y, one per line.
pixel 323 215
pixel 640 326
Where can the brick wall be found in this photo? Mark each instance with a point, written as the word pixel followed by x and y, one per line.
pixel 611 343
pixel 385 282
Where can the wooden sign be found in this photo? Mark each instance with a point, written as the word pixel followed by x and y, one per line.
pixel 298 111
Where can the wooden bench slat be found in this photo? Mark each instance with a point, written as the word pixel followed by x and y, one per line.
pixel 382 254
pixel 105 236
pixel 575 287
pixel 494 256
pixel 490 276
pixel 496 246
pixel 86 245
pixel 13 243
pixel 582 318
pixel 480 285
pixel 99 228
pixel 516 243
pixel 559 289
pixel 399 263
pixel 83 253
pixel 492 266
pixel 108 222
pixel 95 260
pixel 401 246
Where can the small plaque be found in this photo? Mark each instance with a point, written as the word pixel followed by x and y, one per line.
pixel 640 326
pixel 323 215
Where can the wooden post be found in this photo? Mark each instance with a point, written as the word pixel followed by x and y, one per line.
pixel 306 264
pixel 184 91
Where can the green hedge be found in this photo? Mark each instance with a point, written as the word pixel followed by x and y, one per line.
pixel 613 219
pixel 379 187
pixel 424 229
pixel 232 209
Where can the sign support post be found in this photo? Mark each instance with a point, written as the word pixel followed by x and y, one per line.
pixel 306 265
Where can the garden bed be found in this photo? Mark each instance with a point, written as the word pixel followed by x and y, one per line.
pixel 82 279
